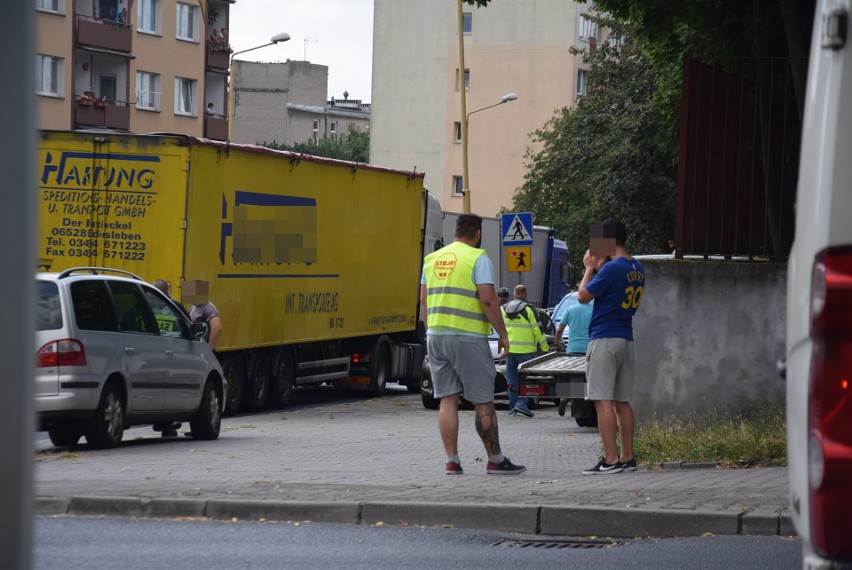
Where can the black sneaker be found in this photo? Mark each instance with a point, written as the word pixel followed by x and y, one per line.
pixel 628 465
pixel 603 468
pixel 505 467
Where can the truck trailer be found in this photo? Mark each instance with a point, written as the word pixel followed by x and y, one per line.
pixel 313 263
pixel 546 280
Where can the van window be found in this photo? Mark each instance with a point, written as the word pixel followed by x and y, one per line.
pixel 93 308
pixel 132 310
pixel 168 321
pixel 48 315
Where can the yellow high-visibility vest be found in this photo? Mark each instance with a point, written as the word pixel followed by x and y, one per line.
pixel 451 295
pixel 523 332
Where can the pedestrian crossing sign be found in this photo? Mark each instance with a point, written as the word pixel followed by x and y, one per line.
pixel 518 259
pixel 517 229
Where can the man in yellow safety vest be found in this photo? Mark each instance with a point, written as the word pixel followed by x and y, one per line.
pixel 459 307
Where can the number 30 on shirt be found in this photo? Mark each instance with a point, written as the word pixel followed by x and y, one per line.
pixel 633 296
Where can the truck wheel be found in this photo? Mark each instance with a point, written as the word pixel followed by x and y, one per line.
pixel 429 402
pixel 379 369
pixel 207 421
pixel 283 379
pixel 426 389
pixel 587 422
pixel 257 387
pixel 235 374
pixel 107 427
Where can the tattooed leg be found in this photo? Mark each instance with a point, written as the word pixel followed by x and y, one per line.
pixel 486 427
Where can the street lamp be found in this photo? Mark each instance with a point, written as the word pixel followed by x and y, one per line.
pixel 277 38
pixel 465 185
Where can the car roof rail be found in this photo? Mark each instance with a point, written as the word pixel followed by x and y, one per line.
pixel 96 271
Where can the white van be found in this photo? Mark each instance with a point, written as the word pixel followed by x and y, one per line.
pixel 819 304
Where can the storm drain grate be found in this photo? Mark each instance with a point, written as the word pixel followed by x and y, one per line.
pixel 550 544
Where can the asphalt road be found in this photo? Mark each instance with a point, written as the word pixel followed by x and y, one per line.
pixel 69 543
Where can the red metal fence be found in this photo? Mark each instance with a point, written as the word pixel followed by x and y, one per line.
pixel 739 148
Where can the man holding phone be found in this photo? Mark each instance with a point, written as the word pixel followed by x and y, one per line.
pixel 617 291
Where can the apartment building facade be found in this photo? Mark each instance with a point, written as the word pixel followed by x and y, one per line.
pixel 517 47
pixel 133 65
pixel 285 102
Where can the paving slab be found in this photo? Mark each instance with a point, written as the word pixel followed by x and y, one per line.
pixel 378 455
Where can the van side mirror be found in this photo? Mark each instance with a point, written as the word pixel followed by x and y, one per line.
pixel 198 330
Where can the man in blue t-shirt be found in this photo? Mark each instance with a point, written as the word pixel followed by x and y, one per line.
pixel 617 291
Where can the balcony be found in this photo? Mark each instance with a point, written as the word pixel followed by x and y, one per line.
pixel 105 34
pixel 102 114
pixel 216 126
pixel 218 55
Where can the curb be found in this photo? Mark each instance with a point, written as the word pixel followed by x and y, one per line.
pixel 523 519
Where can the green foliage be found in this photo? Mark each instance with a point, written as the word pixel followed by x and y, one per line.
pixel 757 436
pixel 602 158
pixel 477 3
pixel 353 146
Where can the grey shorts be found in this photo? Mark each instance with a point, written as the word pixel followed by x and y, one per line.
pixel 461 364
pixel 609 369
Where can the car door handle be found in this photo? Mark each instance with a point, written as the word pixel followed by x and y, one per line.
pixel 129 349
pixel 170 353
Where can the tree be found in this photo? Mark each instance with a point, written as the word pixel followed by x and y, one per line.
pixel 353 146
pixel 601 158
pixel 737 36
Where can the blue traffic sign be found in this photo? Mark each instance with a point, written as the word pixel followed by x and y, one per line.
pixel 517 229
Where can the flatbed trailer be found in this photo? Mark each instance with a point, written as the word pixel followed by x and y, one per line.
pixel 559 376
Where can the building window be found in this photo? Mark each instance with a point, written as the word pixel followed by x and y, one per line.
pixel 147 91
pixel 185 95
pixel 316 130
pixel 458 186
pixel 457 134
pixel 187 22
pixel 588 28
pixel 55 6
pixel 581 83
pixel 467 22
pixel 148 16
pixel 466 80
pixel 333 129
pixel 49 73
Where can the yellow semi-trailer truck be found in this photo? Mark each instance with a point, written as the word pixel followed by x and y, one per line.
pixel 313 263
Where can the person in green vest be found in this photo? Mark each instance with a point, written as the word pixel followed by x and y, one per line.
pixel 459 306
pixel 524 328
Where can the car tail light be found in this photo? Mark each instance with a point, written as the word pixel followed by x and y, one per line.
pixel 531 389
pixel 67 352
pixel 830 404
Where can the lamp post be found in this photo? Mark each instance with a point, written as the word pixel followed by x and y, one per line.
pixel 277 38
pixel 465 184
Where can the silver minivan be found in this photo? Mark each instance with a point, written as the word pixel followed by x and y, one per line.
pixel 819 303
pixel 112 351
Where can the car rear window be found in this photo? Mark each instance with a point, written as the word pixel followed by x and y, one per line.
pixel 93 308
pixel 48 313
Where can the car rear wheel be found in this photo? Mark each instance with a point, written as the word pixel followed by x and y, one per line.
pixel 65 435
pixel 107 427
pixel 207 421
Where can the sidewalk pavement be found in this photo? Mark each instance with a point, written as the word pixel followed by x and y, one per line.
pixel 380 461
